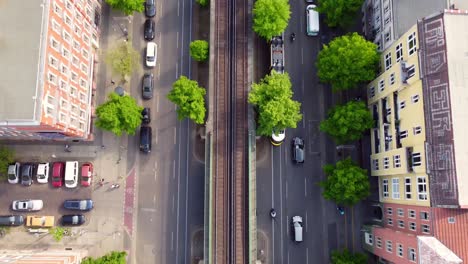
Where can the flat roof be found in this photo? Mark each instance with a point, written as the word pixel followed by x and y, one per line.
pixel 20 37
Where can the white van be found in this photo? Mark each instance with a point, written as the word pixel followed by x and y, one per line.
pixel 71 174
pixel 151 54
pixel 297 228
pixel 312 18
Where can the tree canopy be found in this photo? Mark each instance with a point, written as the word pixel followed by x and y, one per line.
pixel 123 59
pixel 114 257
pixel 203 3
pixel 346 61
pixel 270 17
pixel 199 50
pixel 346 257
pixel 189 98
pixel 127 6
pixel 120 114
pixel 272 98
pixel 347 122
pixel 7 156
pixel 339 13
pixel 346 183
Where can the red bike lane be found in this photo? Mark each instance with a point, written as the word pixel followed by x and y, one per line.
pixel 129 200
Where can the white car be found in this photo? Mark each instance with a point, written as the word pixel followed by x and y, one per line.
pixel 277 139
pixel 42 173
pixel 27 205
pixel 13 173
pixel 297 228
pixel 151 54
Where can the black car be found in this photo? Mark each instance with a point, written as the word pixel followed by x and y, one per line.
pixel 145 139
pixel 11 220
pixel 150 8
pixel 77 219
pixel 298 150
pixel 147 87
pixel 81 205
pixel 26 174
pixel 146 115
pixel 149 29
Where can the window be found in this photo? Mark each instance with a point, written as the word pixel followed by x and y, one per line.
pixel 52 78
pixel 56 26
pixel 50 100
pixel 392 78
pixel 63 118
pixel 386 9
pixel 396 161
pixel 403 134
pixel 422 190
pixel 411 43
pixel 385 188
pixel 412 226
pixel 400 250
pixel 84 68
pixel 425 228
pixel 389 221
pixel 408 188
pixel 83 83
pixel 53 62
pixel 411 213
pixel 65 53
pixel 372 92
pixel 82 114
pixel 399 52
pixel 424 216
pixel 410 71
pixel 381 85
pixel 401 212
pixel 81 126
pixel 378 242
pixel 84 53
pixel 57 10
pixel 402 104
pixel 75 61
pixel 412 254
pixel 369 239
pixel 64 70
pixel 415 98
pixel 73 91
pixel 401 224
pixel 379 44
pixel 76 45
pixel 387 20
pixel 387 36
pixel 451 220
pixel 68 20
pixel 417 130
pixel 63 85
pixel 49 110
pixel 85 39
pixel 388 60
pixel 389 210
pixel 82 97
pixel 396 188
pixel 388 245
pixel 54 44
pixel 375 164
pixel 74 77
pixel 389 112
pixel 63 104
pixel 386 163
pixel 416 159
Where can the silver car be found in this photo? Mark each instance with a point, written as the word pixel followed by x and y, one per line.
pixel 27 205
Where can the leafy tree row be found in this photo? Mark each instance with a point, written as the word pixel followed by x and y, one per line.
pixel 114 257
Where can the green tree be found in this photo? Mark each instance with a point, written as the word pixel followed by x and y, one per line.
pixel 199 50
pixel 347 122
pixel 346 183
pixel 127 6
pixel 203 3
pixel 57 233
pixel 270 17
pixel 7 156
pixel 346 257
pixel 339 13
pixel 114 257
pixel 119 114
pixel 123 59
pixel 346 61
pixel 272 98
pixel 189 98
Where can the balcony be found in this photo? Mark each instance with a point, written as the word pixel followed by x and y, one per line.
pixel 409 158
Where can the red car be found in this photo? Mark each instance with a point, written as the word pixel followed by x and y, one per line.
pixel 58 171
pixel 86 174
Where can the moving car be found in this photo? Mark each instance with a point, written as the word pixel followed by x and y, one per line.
pixel 278 138
pixel 151 54
pixel 298 150
pixel 81 205
pixel 58 171
pixel 26 174
pixel 87 170
pixel 147 86
pixel 312 20
pixel 40 221
pixel 11 220
pixel 71 174
pixel 146 115
pixel 14 173
pixel 27 205
pixel 297 228
pixel 42 174
pixel 145 139
pixel 149 29
pixel 77 219
pixel 150 8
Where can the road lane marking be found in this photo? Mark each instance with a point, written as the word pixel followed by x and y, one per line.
pixel 288 256
pixel 175 135
pixel 178 8
pixel 172 241
pixel 305 187
pixel 307 255
pixel 156 136
pixel 152 210
pixel 154 198
pixel 352 226
pixel 177 70
pixel 286 190
pixel 177 39
pixel 173 169
pixel 303 119
pixel 302 56
pixel 173 202
pixel 159 71
pixel 307 223
pixel 157 102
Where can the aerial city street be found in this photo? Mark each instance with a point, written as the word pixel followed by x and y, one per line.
pixel 233 131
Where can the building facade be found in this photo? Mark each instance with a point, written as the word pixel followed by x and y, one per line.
pixel 49 69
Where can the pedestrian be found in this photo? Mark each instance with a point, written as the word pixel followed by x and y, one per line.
pixel 112 82
pixel 103 147
pixel 101 182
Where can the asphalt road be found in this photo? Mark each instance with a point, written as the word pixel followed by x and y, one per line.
pixel 170 179
pixel 292 189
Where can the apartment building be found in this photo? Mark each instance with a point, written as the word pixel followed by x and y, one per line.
pixel 47 68
pixel 419 149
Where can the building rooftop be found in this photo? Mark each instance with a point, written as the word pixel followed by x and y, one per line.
pixel 20 37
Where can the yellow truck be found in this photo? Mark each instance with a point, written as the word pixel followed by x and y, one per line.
pixel 40 221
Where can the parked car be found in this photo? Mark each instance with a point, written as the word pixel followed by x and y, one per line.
pixel 150 8
pixel 14 173
pixel 42 174
pixel 149 29
pixel 278 138
pixel 87 170
pixel 81 205
pixel 27 205
pixel 151 54
pixel 71 174
pixel 146 115
pixel 11 220
pixel 298 150
pixel 77 219
pixel 26 174
pixel 145 139
pixel 147 86
pixel 58 171
pixel 40 221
